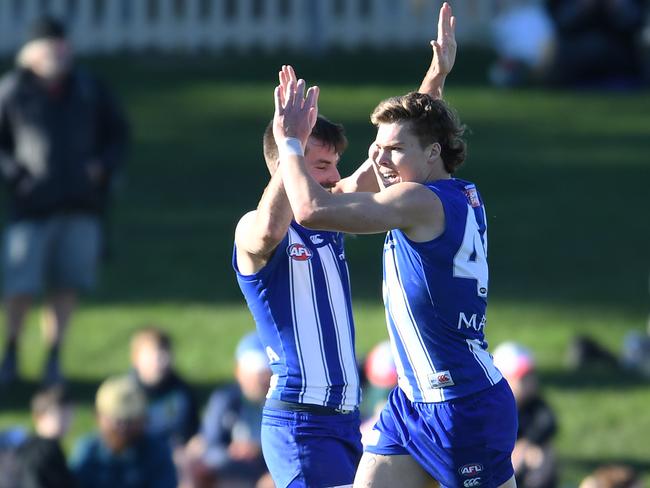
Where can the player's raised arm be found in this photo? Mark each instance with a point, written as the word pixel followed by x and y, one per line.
pixel 443 55
pixel 442 61
pixel 260 231
pixel 406 205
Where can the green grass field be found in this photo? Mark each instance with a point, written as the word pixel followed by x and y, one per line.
pixel 564 175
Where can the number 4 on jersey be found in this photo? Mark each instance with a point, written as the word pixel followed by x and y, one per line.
pixel 471 259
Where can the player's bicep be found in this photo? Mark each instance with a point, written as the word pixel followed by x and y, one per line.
pixel 399 207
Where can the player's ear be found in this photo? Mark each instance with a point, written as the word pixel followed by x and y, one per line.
pixel 434 151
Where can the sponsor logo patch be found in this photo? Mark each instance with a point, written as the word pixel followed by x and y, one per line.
pixel 316 239
pixel 470 469
pixel 440 379
pixel 298 252
pixel 472 196
pixel 472 482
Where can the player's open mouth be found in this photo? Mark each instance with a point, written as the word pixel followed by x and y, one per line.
pixel 390 178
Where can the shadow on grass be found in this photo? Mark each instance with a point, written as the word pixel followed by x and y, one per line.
pixel 600 377
pixel 17 397
pixel 569 463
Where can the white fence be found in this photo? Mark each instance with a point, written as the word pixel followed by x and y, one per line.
pixel 188 25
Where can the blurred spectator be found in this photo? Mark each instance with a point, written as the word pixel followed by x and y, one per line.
pixel 598 42
pixel 42 461
pixel 381 377
pixel 122 453
pixel 636 352
pixel 586 353
pixel 172 412
pixel 229 445
pixel 613 476
pixel 10 440
pixel 62 137
pixel 534 457
pixel 523 40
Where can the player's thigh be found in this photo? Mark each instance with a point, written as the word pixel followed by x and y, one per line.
pixel 305 450
pixel 78 244
pixel 379 471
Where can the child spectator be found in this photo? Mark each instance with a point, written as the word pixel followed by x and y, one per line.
pixel 41 459
pixel 172 411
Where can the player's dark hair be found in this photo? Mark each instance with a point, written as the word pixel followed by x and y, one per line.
pixel 52 397
pixel 431 121
pixel 330 134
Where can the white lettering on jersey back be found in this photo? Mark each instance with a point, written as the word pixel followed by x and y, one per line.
pixel 471 323
pixel 272 355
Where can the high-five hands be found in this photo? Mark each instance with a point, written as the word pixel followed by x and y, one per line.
pixel 295 112
pixel 444 47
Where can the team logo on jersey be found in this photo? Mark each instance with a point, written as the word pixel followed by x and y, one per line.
pixel 440 379
pixel 316 239
pixel 472 196
pixel 298 252
pixel 470 469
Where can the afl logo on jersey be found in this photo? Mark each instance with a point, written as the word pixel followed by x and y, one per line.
pixel 298 252
pixel 471 469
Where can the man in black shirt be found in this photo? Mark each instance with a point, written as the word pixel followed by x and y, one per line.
pixel 62 139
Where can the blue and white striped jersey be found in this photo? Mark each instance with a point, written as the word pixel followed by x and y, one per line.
pixel 436 295
pixel 301 304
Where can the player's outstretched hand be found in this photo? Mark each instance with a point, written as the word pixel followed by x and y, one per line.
pixel 444 47
pixel 295 113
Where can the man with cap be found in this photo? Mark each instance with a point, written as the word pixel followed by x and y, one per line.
pixel 62 138
pixel 229 445
pixel 121 453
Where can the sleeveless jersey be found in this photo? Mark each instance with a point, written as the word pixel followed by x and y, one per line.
pixel 301 305
pixel 435 295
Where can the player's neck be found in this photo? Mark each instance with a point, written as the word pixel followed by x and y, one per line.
pixel 437 173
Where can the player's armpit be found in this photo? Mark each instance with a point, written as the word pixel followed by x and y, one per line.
pixel 362 180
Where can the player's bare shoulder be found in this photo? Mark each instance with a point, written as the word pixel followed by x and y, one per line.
pixel 248 258
pixel 245 223
pixel 426 214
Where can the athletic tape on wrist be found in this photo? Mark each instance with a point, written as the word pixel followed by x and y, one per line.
pixel 290 146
